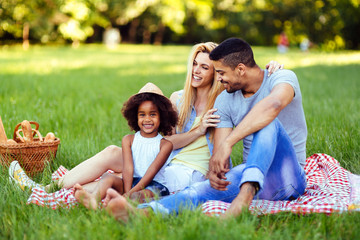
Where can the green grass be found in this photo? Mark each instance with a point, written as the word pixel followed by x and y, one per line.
pixel 78 94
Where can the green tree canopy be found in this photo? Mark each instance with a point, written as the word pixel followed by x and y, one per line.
pixel 330 24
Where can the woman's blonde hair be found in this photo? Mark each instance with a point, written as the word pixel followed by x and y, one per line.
pixel 189 95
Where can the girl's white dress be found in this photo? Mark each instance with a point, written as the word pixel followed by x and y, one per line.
pixel 144 151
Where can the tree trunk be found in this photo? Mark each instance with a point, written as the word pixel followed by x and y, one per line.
pixel 146 36
pixel 26 30
pixel 132 31
pixel 160 34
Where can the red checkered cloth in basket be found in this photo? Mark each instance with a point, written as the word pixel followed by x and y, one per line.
pixel 330 188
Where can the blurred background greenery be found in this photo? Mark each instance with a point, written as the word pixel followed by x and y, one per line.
pixel 327 24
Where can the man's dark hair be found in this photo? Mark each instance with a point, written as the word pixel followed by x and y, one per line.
pixel 232 52
pixel 168 116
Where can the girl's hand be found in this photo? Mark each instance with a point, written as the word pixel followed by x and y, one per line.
pixel 126 195
pixel 209 120
pixel 273 66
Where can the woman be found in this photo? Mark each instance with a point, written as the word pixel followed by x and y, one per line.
pixel 192 145
pixel 192 142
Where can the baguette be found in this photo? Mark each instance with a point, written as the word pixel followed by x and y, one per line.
pixel 3 137
pixel 27 131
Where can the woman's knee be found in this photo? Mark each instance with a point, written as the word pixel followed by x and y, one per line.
pixel 114 150
pixel 113 155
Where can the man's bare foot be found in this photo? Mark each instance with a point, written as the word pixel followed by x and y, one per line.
pixel 85 198
pixel 241 202
pixel 235 209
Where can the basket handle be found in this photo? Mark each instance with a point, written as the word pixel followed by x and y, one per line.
pixel 36 128
pixel 19 124
pixel 41 139
pixel 17 134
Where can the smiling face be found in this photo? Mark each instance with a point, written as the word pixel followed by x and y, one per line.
pixel 231 79
pixel 148 119
pixel 202 71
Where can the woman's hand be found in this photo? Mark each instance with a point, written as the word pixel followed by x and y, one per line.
pixel 273 66
pixel 209 120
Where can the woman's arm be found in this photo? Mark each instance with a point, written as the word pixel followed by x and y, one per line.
pixel 156 165
pixel 180 140
pixel 128 162
pixel 183 139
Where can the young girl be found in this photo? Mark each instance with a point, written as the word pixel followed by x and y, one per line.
pixel 144 153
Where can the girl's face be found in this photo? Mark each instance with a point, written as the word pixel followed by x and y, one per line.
pixel 148 119
pixel 202 71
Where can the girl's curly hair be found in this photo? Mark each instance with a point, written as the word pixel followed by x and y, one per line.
pixel 168 116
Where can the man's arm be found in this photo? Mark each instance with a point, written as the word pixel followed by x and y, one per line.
pixel 262 114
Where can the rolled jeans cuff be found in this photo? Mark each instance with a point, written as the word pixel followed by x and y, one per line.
pixel 156 207
pixel 252 174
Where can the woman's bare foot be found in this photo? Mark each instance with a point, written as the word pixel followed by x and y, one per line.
pixel 85 198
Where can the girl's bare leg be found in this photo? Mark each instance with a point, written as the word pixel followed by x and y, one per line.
pixel 91 187
pixel 94 167
pixel 107 181
pixel 91 200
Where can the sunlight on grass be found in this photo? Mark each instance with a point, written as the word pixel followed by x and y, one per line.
pixel 328 59
pixel 296 58
pixel 79 93
pixel 149 59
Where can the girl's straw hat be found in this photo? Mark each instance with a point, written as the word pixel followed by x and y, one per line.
pixel 151 88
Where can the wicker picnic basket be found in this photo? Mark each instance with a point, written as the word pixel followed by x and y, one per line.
pixel 32 156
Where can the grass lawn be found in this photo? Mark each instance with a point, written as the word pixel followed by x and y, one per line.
pixel 78 95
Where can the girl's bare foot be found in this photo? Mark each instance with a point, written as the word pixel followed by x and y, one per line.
pixel 118 206
pixel 85 198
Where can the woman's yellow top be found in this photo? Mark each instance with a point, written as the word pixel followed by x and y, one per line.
pixel 196 155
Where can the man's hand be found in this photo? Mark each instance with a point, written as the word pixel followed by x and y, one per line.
pixel 218 166
pixel 219 161
pixel 217 181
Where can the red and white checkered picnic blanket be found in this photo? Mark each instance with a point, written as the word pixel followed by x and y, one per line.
pixel 330 188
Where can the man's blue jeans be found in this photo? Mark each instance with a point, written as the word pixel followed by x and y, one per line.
pixel 271 162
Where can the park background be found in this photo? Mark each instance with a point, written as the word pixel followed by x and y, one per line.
pixel 54 69
pixel 328 24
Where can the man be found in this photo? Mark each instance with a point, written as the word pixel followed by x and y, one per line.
pixel 268 116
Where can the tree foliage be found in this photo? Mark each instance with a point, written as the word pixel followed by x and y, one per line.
pixel 330 24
